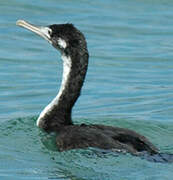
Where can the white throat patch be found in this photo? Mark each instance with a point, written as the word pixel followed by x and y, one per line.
pixel 66 71
pixel 62 43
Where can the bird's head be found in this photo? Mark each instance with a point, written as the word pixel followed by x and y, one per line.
pixel 64 37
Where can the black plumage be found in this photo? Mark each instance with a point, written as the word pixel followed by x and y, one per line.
pixel 57 115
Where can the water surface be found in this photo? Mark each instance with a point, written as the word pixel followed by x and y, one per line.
pixel 129 84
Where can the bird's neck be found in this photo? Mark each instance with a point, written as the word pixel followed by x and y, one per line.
pixel 58 112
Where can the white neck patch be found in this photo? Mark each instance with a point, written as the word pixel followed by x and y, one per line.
pixel 66 71
pixel 62 43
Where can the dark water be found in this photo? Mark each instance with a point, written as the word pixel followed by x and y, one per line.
pixel 129 84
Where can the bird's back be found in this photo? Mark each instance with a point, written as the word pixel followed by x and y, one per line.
pixel 104 137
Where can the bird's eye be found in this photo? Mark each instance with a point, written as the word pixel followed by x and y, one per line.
pixel 49 31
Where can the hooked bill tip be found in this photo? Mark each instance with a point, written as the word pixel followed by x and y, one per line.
pixel 20 22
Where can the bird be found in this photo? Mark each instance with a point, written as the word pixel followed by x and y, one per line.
pixel 57 115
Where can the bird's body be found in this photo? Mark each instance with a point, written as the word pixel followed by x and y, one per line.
pixel 57 115
pixel 103 137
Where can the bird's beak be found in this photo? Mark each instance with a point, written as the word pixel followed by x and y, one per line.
pixel 41 31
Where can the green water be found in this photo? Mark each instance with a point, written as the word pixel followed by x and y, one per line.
pixel 129 84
